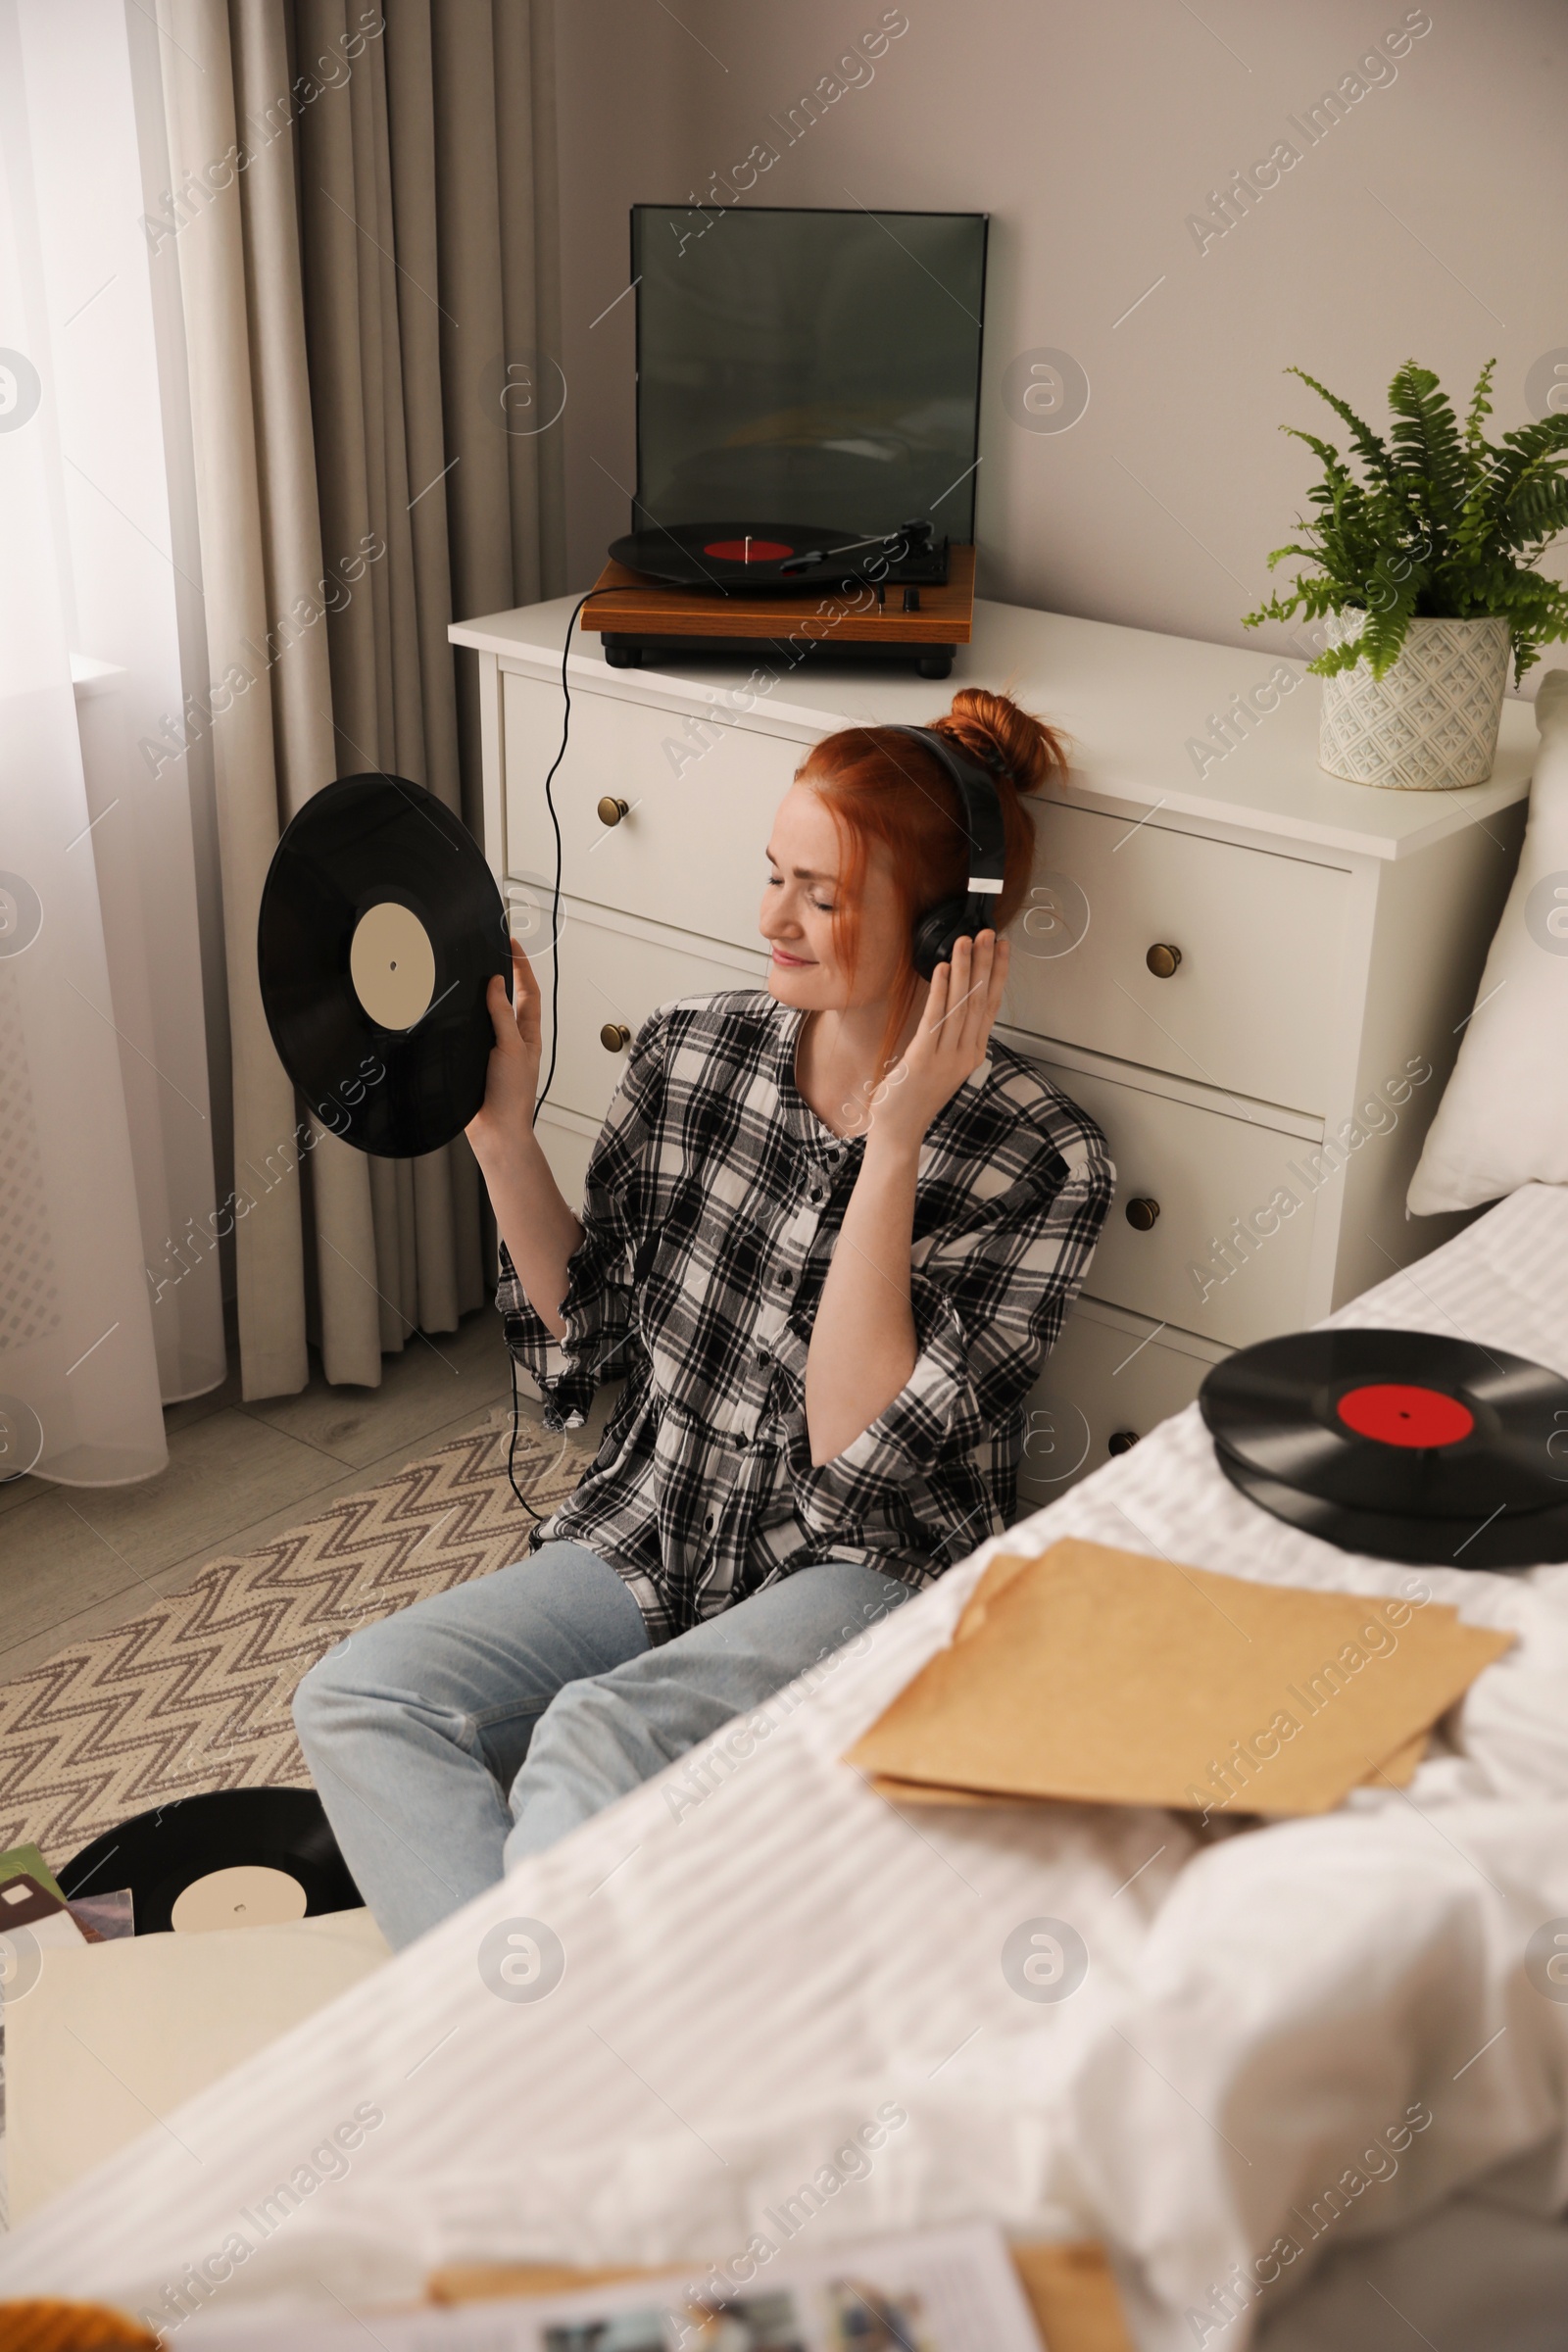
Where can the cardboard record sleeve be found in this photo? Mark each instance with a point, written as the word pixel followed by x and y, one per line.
pixel 1104 1677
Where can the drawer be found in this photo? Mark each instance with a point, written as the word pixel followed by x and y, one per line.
pixel 1110 1375
pixel 613 976
pixel 1208 1173
pixel 691 848
pixel 1251 1004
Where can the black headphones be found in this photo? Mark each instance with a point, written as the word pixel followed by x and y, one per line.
pixel 938 931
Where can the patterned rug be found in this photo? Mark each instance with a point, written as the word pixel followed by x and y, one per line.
pixel 195 1692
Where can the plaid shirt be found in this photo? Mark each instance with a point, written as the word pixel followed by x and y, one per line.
pixel 715 1196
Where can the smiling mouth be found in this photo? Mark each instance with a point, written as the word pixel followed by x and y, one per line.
pixel 796 964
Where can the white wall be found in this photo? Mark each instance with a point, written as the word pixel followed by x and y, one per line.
pixel 1427 223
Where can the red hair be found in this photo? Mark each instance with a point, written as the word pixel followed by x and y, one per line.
pixel 882 786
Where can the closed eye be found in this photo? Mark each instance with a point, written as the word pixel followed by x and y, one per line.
pixel 775 881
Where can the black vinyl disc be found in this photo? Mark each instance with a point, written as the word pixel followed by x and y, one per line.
pixel 1407 1422
pixel 380 929
pixel 231 1857
pixel 743 559
pixel 1502 1539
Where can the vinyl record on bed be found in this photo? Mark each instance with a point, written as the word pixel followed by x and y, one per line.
pixel 1502 1539
pixel 228 1858
pixel 1367 1436
pixel 1404 1421
pixel 380 928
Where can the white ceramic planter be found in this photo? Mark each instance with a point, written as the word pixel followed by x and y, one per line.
pixel 1431 724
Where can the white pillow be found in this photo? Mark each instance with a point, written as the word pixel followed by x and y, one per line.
pixel 1503 1118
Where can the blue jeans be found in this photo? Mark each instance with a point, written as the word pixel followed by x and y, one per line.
pixel 453 1740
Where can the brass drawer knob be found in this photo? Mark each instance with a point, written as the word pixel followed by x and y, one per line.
pixel 1142 1215
pixel 611 811
pixel 614 1037
pixel 1121 1440
pixel 1163 958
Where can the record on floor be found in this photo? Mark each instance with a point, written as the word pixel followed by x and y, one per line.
pixel 380 929
pixel 228 1858
pixel 1406 1446
pixel 745 558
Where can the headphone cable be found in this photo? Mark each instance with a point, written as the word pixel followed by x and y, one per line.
pixel 555 978
pixel 555 826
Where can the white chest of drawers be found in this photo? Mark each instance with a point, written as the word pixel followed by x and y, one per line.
pixel 1265 1091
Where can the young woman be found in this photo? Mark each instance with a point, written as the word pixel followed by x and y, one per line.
pixel 830 1230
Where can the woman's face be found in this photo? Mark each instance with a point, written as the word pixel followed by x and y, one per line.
pixel 799 902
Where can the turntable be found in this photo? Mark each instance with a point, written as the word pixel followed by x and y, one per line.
pixel 808 420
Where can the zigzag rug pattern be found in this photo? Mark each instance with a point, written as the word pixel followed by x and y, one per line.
pixel 195 1692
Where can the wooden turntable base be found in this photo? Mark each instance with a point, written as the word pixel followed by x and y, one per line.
pixel 639 618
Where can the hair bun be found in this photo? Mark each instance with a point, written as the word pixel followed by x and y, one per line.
pixel 1005 738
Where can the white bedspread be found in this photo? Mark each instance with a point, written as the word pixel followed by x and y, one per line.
pixel 753 1973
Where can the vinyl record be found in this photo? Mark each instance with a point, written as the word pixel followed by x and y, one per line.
pixel 1367 1436
pixel 232 1857
pixel 1502 1539
pixel 745 558
pixel 380 929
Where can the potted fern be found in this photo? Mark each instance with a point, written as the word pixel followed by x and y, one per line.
pixel 1427 576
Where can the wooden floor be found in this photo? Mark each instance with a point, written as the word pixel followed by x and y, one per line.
pixel 79 1559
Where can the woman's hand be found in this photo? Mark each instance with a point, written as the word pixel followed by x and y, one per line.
pixel 948 1046
pixel 863 1346
pixel 504 1122
pixel 538 1228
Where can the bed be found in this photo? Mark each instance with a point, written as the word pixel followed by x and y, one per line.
pixel 1344 2033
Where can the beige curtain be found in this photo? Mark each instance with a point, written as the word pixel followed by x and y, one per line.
pixel 368 247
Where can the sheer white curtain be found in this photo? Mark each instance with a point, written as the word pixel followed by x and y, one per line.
pixel 108 1306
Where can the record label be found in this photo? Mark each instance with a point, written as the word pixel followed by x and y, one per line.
pixel 1395 1413
pixel 245 1896
pixel 749 551
pixel 392 966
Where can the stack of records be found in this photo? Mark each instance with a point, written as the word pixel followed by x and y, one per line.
pixel 1398 1444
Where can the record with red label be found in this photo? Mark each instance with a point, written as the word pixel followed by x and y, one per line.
pixel 1403 1445
pixel 743 559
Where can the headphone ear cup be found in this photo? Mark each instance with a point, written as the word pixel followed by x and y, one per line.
pixel 935 934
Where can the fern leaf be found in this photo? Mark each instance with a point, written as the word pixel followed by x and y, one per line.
pixel 1336 657
pixel 1537 508
pixel 1326 455
pixel 1534 441
pixel 1480 405
pixel 1426 436
pixel 1391 602
pixel 1372 452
